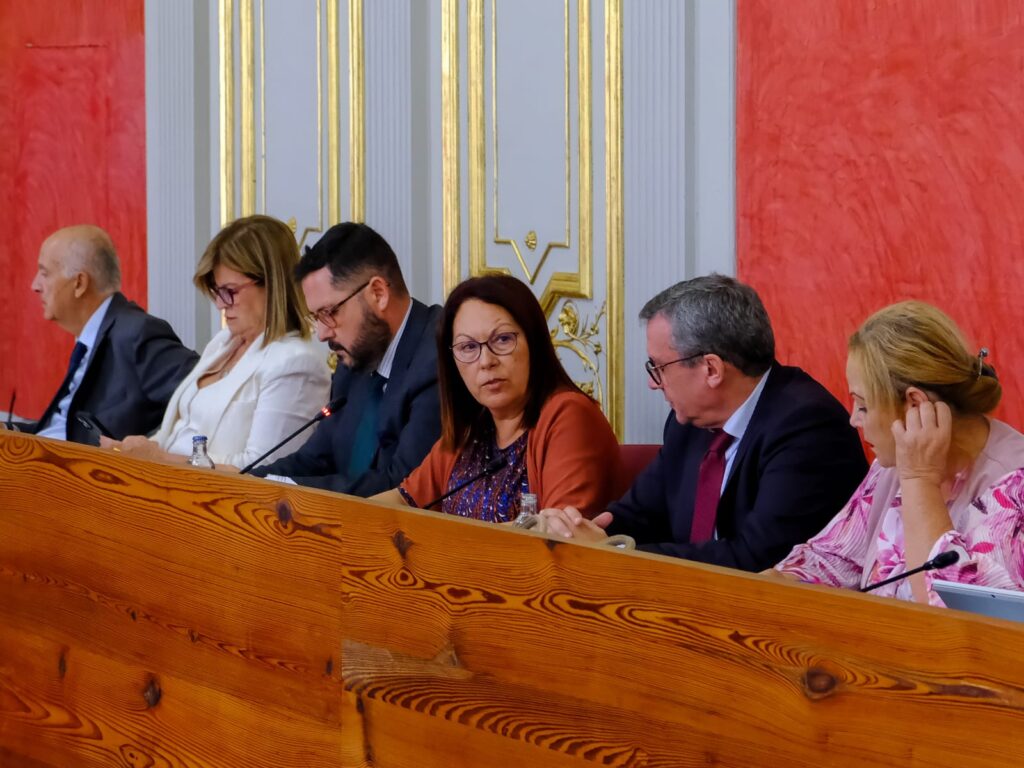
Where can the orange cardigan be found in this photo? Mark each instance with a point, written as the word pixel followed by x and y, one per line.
pixel 572 459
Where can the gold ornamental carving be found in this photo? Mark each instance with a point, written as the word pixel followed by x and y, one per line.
pixel 582 337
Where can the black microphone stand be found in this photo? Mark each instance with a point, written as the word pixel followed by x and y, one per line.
pixel 326 411
pixel 942 560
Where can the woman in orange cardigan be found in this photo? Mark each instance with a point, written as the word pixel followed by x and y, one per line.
pixel 505 395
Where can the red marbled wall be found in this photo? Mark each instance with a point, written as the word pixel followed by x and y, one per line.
pixel 72 151
pixel 880 156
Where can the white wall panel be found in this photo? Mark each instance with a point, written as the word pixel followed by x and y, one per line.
pixel 178 154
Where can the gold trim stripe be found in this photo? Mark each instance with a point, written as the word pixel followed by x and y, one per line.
pixel 614 211
pixel 357 111
pixel 246 53
pixel 226 22
pixel 451 222
pixel 333 117
pixel 477 157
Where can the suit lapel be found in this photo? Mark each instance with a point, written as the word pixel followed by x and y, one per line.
pixel 223 394
pixel 755 427
pixel 407 346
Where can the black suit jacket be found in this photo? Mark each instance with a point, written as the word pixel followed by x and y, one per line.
pixel 796 465
pixel 134 368
pixel 409 420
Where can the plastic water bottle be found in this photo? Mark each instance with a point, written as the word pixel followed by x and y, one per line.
pixel 199 457
pixel 527 511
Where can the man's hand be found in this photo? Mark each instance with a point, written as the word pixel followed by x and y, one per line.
pixel 569 523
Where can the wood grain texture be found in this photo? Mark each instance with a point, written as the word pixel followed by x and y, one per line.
pixel 153 615
pixel 880 157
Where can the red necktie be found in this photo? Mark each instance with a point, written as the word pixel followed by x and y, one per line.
pixel 709 487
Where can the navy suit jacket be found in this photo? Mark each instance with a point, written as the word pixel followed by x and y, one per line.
pixel 409 420
pixel 798 462
pixel 135 366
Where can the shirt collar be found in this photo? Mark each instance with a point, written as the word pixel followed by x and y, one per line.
pixel 384 367
pixel 91 329
pixel 737 424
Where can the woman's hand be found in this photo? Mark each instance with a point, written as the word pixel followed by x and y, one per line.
pixel 922 443
pixel 138 446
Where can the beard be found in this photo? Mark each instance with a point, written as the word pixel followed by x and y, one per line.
pixel 370 345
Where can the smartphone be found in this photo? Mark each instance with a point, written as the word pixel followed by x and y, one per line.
pixel 94 427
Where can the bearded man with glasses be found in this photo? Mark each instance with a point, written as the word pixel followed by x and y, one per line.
pixel 387 372
pixel 755 454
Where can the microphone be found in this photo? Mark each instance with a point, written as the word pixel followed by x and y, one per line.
pixel 942 560
pixel 496 464
pixel 326 411
pixel 10 409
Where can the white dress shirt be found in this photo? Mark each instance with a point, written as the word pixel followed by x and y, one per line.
pixel 58 426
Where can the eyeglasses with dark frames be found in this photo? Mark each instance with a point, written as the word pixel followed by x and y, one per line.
pixel 503 343
pixel 654 371
pixel 227 293
pixel 327 317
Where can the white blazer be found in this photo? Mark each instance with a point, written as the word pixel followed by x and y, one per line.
pixel 268 394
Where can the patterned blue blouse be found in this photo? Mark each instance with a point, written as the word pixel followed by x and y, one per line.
pixel 494 498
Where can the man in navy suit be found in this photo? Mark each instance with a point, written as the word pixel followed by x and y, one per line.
pixel 384 340
pixel 125 364
pixel 756 456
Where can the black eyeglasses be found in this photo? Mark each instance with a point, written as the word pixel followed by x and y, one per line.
pixel 326 317
pixel 654 371
pixel 227 293
pixel 503 343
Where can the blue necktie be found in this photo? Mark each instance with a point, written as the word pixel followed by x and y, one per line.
pixel 76 359
pixel 364 444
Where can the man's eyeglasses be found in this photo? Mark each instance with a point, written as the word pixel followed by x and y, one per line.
pixel 503 343
pixel 654 371
pixel 327 317
pixel 227 293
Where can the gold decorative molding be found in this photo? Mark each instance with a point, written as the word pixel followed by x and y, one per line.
pixel 531 240
pixel 531 274
pixel 226 65
pixel 333 116
pixel 614 239
pixel 560 285
pixel 246 47
pixel 451 179
pixel 357 111
pixel 582 338
pixel 250 159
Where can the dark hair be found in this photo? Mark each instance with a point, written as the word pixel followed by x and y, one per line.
pixel 715 314
pixel 460 412
pixel 352 250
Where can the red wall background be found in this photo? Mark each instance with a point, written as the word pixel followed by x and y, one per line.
pixel 72 151
pixel 880 156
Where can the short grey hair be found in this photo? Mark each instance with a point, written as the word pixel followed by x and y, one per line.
pixel 94 255
pixel 718 315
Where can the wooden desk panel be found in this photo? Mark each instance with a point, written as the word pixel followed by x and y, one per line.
pixel 285 626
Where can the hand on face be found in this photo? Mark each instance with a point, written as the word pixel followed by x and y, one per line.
pixel 922 442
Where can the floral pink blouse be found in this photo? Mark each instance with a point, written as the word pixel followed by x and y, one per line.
pixel 864 542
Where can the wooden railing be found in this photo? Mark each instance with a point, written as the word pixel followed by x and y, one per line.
pixel 158 616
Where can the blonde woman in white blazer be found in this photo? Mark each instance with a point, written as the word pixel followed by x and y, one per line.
pixel 262 375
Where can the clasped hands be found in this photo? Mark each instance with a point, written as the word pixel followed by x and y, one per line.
pixel 569 523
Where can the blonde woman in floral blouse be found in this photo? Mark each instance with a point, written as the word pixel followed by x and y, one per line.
pixel 946 477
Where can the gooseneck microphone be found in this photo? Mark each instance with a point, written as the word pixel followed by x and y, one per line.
pixel 496 464
pixel 326 411
pixel 942 560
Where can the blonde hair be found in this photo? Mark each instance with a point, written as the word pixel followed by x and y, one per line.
pixel 915 344
pixel 263 249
